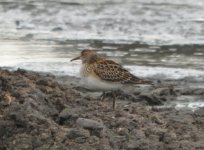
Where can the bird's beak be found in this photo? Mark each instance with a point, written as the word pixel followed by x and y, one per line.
pixel 79 57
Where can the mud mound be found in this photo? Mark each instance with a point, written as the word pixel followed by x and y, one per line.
pixel 37 112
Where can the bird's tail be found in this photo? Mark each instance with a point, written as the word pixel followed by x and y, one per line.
pixel 141 81
pixel 137 80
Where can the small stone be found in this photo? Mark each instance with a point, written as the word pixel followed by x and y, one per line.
pixel 93 139
pixel 80 140
pixel 68 116
pixel 78 132
pixel 138 134
pixel 138 144
pixel 157 120
pixel 122 131
pixel 43 82
pixel 156 131
pixel 117 141
pixel 152 99
pixel 122 122
pixel 168 137
pixel 21 71
pixel 89 124
pixel 65 113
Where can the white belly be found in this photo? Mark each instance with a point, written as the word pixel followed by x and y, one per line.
pixel 99 85
pixel 93 83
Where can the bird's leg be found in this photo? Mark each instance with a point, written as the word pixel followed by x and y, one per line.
pixel 113 96
pixel 103 96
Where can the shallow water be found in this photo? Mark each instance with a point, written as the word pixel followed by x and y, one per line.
pixel 149 21
pixel 185 102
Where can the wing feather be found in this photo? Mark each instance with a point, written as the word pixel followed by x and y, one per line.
pixel 109 70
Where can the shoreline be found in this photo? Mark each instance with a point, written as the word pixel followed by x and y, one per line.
pixel 43 111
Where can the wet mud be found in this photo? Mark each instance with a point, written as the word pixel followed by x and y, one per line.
pixel 40 111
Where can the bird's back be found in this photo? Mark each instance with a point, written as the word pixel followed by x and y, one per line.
pixel 110 71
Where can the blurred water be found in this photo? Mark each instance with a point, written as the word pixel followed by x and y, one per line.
pixel 185 102
pixel 153 22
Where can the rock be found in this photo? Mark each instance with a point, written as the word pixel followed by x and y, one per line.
pixel 122 122
pixel 68 116
pixel 93 139
pixel 46 89
pixel 138 144
pixel 21 71
pixel 117 142
pixel 128 123
pixel 157 120
pixel 162 108
pixel 6 127
pixel 152 99
pixel 46 114
pixel 163 91
pixel 89 124
pixel 67 113
pixel 137 134
pixel 78 132
pixel 122 131
pixel 155 131
pixel 4 84
pixel 199 112
pixel 168 137
pixel 43 82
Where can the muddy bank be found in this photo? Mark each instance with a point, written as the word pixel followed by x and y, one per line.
pixel 41 111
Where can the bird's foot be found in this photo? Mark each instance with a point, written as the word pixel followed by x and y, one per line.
pixel 105 95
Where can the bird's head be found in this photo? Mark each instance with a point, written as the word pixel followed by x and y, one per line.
pixel 87 56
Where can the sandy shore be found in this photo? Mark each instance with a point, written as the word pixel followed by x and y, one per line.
pixel 40 111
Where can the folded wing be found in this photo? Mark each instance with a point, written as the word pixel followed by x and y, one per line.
pixel 110 71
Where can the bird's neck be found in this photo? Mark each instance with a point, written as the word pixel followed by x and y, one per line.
pixel 91 60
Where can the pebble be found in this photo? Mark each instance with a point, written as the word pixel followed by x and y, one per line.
pixel 89 124
pixel 74 133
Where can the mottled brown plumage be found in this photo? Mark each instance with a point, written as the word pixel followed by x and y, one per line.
pixel 102 74
pixel 109 70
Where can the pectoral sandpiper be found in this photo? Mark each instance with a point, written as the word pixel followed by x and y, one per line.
pixel 102 74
